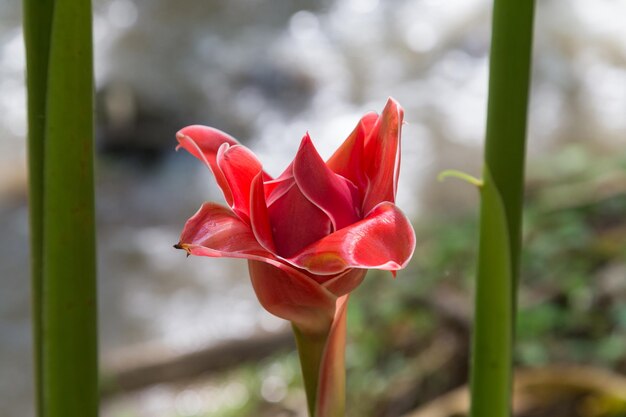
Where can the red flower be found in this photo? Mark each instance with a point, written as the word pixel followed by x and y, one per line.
pixel 310 234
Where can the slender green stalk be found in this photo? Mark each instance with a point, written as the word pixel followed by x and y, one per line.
pixel 37 21
pixel 310 350
pixel 68 300
pixel 322 358
pixel 501 208
pixel 509 78
pixel 493 311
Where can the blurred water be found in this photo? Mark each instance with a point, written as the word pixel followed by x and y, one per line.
pixel 267 72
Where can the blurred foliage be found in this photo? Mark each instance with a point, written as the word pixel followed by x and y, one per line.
pixel 573 280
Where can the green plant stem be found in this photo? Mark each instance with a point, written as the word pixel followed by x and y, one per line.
pixel 37 22
pixel 310 351
pixel 505 147
pixel 322 358
pixel 509 79
pixel 493 333
pixel 70 367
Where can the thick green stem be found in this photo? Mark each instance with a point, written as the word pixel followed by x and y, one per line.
pixel 68 299
pixel 493 333
pixel 37 22
pixel 509 78
pixel 322 358
pixel 501 207
pixel 310 350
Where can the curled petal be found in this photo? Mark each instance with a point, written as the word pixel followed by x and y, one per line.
pixel 284 291
pixel 291 295
pixel 332 193
pixel 275 189
pixel 259 216
pixel 384 239
pixel 296 222
pixel 382 156
pixel 203 142
pixel 346 282
pixel 348 161
pixel 216 231
pixel 239 166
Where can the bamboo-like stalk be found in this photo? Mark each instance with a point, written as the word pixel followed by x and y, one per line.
pixel 501 208
pixel 509 79
pixel 37 22
pixel 60 96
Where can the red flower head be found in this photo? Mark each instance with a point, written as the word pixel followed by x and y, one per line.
pixel 311 234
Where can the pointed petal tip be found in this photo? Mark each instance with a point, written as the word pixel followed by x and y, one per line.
pixel 183 246
pixel 306 140
pixel 393 105
pixel 330 192
pixel 306 146
pixel 392 102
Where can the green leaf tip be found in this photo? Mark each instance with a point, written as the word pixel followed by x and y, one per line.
pixel 463 176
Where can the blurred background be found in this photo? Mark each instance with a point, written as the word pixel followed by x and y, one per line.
pixel 186 337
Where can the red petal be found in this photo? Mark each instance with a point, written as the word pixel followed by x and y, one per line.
pixel 277 188
pixel 331 389
pixel 216 231
pixel 239 166
pixel 259 216
pixel 382 156
pixel 384 239
pixel 347 161
pixel 345 282
pixel 296 222
pixel 291 295
pixel 203 142
pixel 330 192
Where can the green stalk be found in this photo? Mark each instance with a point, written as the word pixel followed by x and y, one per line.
pixel 509 79
pixel 37 21
pixel 501 208
pixel 69 343
pixel 322 358
pixel 310 351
